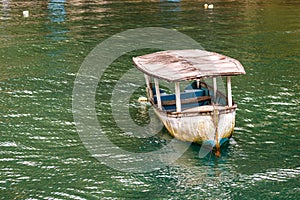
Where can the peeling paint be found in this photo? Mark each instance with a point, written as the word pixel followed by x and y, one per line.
pixel 190 64
pixel 198 128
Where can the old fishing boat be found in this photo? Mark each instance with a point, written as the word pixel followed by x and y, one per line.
pixel 200 112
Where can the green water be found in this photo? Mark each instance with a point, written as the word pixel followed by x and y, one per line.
pixel 41 153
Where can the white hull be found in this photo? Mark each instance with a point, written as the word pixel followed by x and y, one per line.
pixel 200 124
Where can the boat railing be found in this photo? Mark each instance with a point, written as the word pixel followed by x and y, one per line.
pixel 189 99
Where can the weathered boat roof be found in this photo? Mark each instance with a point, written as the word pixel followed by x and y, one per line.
pixel 180 65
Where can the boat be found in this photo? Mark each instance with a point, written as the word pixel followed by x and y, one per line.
pixel 199 112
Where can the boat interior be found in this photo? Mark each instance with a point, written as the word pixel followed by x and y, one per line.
pixel 196 94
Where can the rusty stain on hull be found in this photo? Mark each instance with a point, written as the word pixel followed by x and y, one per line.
pixel 198 128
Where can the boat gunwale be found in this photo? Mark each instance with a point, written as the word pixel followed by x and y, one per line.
pixel 209 112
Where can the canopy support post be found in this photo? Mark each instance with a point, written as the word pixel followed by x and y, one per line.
pixel 149 87
pixel 157 93
pixel 198 83
pixel 215 88
pixel 216 118
pixel 177 94
pixel 229 95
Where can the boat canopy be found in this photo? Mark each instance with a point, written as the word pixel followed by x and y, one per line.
pixel 180 65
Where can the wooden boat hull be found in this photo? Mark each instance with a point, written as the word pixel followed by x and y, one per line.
pixel 201 125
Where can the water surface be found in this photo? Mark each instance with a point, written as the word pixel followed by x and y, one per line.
pixel 41 154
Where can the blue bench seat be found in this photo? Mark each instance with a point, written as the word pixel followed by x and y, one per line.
pixel 189 99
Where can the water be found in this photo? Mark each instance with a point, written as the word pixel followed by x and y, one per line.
pixel 41 154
